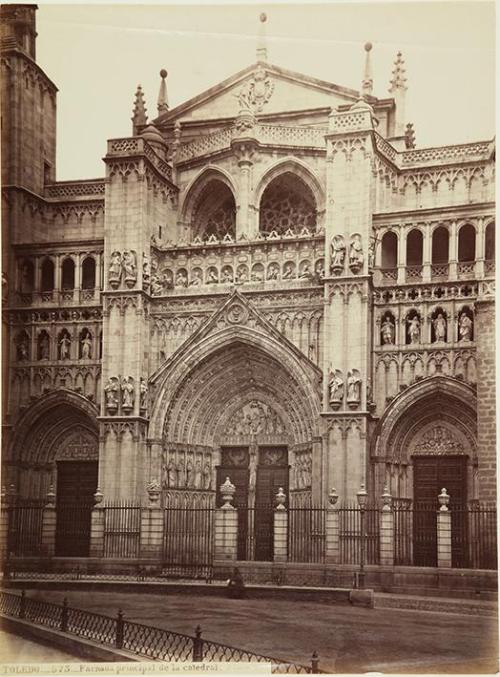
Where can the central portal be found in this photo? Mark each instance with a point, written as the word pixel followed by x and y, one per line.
pixel 257 472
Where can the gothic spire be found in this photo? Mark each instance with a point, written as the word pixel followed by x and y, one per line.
pixel 262 42
pixel 398 79
pixel 162 94
pixel 367 83
pixel 139 116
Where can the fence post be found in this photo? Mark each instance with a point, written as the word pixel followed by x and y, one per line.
pixel 332 554
pixel 444 531
pixel 119 630
pixel 22 604
pixel 280 528
pixel 226 525
pixel 5 513
pixel 197 646
pixel 64 615
pixel 152 524
pixel 386 530
pixel 314 663
pixel 49 524
pixel 97 526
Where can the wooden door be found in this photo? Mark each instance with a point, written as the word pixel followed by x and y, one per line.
pixel 272 473
pixel 234 464
pixel 76 485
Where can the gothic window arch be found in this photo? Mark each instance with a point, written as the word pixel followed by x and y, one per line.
pixel 467 243
pixel 47 275
pixel 287 204
pixel 389 250
pixel 68 274
pixel 489 242
pixel 26 275
pixel 440 245
pixel 88 273
pixel 414 247
pixel 214 212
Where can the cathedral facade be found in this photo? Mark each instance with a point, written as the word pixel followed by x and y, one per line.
pixel 269 282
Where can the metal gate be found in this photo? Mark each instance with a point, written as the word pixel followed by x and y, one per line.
pixel 188 542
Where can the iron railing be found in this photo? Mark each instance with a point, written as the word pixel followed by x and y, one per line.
pixel 350 534
pixel 122 530
pixel 25 524
pixel 306 535
pixel 142 640
pixel 188 543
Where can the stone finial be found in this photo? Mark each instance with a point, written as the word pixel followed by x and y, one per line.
pixel 50 497
pixel 162 94
pixel 367 83
pixel 139 116
pixel 227 491
pixel 386 499
pixel 98 496
pixel 333 496
pixel 410 136
pixel 444 499
pixel 153 489
pixel 280 499
pixel 262 41
pixel 398 79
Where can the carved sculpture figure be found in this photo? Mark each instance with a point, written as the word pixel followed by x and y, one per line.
pixel 181 279
pixel 439 328
pixel 143 394
pixel 227 275
pixel 115 269
pixel 465 327
pixel 111 393
pixel 241 274
pixel 145 271
pixel 64 347
pixel 414 330
pixel 388 331
pixel 337 248
pixel 356 256
pixel 257 275
pixel 207 476
pixel 305 272
pixel 156 285
pixel 172 473
pixel 336 387
pixel 353 387
pixel 212 277
pixel 196 279
pixel 288 273
pixel 86 346
pixel 44 347
pixel 22 350
pixel 129 267
pixel 127 393
pixel 189 474
pixel 198 479
pixel 371 253
pixel 273 271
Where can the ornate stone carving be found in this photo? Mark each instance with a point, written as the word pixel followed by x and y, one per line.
pixel 414 330
pixel 465 326
pixel 111 392
pixel 437 441
pixel 353 389
pixel 237 313
pixel 115 269
pixel 388 330
pixel 303 469
pixel 64 346
pixel 356 256
pixel 186 469
pixel 143 394
pixel 440 327
pixel 337 249
pixel 128 394
pixel 257 92
pixel 255 418
pixel 146 272
pixel 86 346
pixel 336 388
pixel 129 263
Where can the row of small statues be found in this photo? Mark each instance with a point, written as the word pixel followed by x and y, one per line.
pixel 338 250
pixel 122 265
pixel 64 347
pixel 439 323
pixel 336 387
pixel 123 392
pixel 187 474
pixel 303 471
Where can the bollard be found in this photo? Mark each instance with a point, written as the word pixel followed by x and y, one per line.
pixel 22 605
pixel 197 646
pixel 64 616
pixel 119 630
pixel 314 663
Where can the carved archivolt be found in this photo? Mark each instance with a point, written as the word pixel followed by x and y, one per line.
pixel 437 440
pixel 255 418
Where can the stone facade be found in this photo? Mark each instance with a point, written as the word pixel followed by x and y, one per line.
pixel 247 276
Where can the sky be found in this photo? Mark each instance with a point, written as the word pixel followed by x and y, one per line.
pixel 98 54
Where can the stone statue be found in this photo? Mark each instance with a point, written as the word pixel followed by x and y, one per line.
pixel 196 280
pixel 212 277
pixel 288 273
pixel 439 328
pixel 336 386
pixel 44 347
pixel 22 350
pixel 64 347
pixel 465 327
pixel 388 331
pixel 414 330
pixel 371 253
pixel 172 473
pixel 129 267
pixel 305 273
pixel 257 275
pixel 189 474
pixel 156 285
pixel 273 271
pixel 241 274
pixel 181 279
pixel 227 275
pixel 207 476
pixel 127 393
pixel 353 386
pixel 115 269
pixel 337 249
pixel 198 479
pixel 111 393
pixel 145 271
pixel 356 256
pixel 86 346
pixel 143 394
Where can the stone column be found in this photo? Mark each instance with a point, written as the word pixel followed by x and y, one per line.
pixel 453 252
pixel 480 243
pixel 49 524
pixel 226 525
pixel 332 554
pixel 152 524
pixel 280 528
pixel 386 530
pixel 97 526
pixel 402 256
pixel 244 149
pixel 444 531
pixel 427 254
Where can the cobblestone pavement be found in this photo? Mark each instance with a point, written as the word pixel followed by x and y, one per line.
pixel 348 639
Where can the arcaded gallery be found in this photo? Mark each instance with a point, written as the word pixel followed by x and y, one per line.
pixel 264 336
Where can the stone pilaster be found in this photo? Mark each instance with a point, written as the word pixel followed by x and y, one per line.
pixel 332 554
pixel 386 531
pixel 97 527
pixel 152 528
pixel 226 525
pixel 280 529
pixel 443 523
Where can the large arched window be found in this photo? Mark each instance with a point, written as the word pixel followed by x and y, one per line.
pixel 467 243
pixel 47 279
pixel 390 250
pixel 287 203
pixel 26 275
pixel 214 212
pixel 68 274
pixel 88 273
pixel 489 242
pixel 414 248
pixel 440 245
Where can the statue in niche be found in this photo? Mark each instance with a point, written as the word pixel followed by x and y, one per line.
pixel 336 388
pixel 207 476
pixel 143 394
pixel 305 272
pixel 127 393
pixel 22 350
pixel 86 346
pixel 388 331
pixel 288 273
pixel 337 249
pixel 171 473
pixel 44 344
pixel 439 324
pixel 273 271
pixel 414 330
pixel 156 285
pixel 227 275
pixel 241 274
pixel 111 393
pixel 64 347
pixel 181 279
pixel 115 269
pixel 353 388
pixel 145 271
pixel 212 277
pixel 356 256
pixel 189 473
pixel 196 279
pixel 181 477
pixel 465 327
pixel 198 478
pixel 129 267
pixel 371 253
pixel 257 275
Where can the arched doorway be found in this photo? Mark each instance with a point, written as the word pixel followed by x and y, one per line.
pixel 55 448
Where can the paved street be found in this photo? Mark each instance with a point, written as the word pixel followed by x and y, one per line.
pixel 347 639
pixel 15 649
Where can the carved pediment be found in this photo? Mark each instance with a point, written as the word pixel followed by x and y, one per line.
pixel 255 418
pixel 437 441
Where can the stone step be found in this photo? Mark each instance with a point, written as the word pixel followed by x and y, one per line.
pixel 436 604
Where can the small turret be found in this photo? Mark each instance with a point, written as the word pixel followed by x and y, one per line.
pixel 262 41
pixel 367 84
pixel 398 90
pixel 139 117
pixel 162 94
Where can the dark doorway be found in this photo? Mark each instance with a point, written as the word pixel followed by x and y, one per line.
pixel 76 485
pixel 272 473
pixel 234 464
pixel 430 475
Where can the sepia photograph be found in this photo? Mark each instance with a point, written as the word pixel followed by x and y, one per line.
pixel 248 338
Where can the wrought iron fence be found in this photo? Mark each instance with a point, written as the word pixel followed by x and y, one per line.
pixel 306 534
pixel 403 531
pixel 350 534
pixel 474 537
pixel 142 640
pixel 122 530
pixel 256 533
pixel 25 525
pixel 188 544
